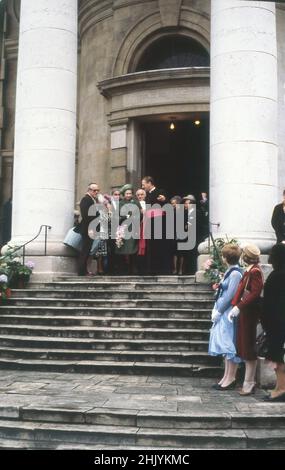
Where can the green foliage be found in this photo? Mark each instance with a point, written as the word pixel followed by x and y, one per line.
pixel 11 265
pixel 214 266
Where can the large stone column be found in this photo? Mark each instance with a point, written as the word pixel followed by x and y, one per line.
pixel 243 143
pixel 45 129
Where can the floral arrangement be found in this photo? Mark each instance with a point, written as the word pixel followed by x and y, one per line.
pixel 120 235
pixel 214 266
pixel 5 291
pixel 18 274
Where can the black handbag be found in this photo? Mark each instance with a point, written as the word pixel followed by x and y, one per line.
pixel 261 345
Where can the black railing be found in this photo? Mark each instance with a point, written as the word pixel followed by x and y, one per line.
pixel 23 247
pixel 211 239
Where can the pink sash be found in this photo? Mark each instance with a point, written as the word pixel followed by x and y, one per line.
pixel 149 214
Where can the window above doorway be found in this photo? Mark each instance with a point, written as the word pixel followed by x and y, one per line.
pixel 173 52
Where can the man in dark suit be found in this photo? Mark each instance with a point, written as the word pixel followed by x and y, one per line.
pixel 86 202
pixel 158 249
pixel 278 220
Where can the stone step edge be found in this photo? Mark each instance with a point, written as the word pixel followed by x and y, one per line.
pixel 100 340
pixel 124 430
pixel 133 352
pixel 17 444
pixel 104 318
pixel 105 309
pixel 127 278
pixel 236 438
pixel 133 367
pixel 129 289
pixel 231 420
pixel 107 329
pixel 77 300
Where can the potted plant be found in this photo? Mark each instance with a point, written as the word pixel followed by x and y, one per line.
pixel 18 274
pixel 5 292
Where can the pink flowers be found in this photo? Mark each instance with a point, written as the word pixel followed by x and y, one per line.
pixel 208 264
pixel 30 265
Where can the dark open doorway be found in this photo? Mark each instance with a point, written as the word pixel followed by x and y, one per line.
pixel 178 159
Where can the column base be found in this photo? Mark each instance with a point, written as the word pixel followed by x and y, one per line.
pixel 48 267
pixel 200 277
pixel 265 376
pixel 264 244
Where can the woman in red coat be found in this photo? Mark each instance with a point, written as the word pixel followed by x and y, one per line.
pixel 246 304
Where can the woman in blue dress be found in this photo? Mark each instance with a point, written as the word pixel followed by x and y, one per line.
pixel 222 333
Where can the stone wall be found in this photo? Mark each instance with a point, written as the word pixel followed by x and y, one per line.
pixel 106 28
pixel 113 36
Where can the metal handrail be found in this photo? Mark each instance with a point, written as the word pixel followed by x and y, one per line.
pixel 46 227
pixel 213 240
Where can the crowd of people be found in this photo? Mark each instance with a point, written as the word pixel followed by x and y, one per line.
pixel 243 299
pixel 117 253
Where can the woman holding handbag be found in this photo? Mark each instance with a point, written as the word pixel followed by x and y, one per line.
pixel 273 320
pixel 246 306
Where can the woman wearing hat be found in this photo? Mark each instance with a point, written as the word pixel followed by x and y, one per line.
pixel 222 333
pixel 246 306
pixel 128 246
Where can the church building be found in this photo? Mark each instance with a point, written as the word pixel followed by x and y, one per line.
pixel 191 92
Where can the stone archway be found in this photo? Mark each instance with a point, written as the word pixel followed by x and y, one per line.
pixel 192 24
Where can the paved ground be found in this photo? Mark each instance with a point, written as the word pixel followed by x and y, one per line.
pixel 137 393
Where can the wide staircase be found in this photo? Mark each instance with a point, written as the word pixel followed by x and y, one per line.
pixel 156 326
pixel 33 427
pixel 134 325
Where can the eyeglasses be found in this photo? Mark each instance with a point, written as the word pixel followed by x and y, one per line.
pixel 95 190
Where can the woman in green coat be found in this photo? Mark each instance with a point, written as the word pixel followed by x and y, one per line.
pixel 128 247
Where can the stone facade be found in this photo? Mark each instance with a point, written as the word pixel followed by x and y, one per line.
pixel 112 97
pixel 114 36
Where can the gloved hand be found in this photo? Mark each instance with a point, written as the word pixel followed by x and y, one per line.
pixel 215 315
pixel 233 313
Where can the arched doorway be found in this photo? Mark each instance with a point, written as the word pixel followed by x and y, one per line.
pixel 175 148
pixel 167 79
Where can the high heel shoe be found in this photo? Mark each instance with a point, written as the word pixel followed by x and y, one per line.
pixel 231 386
pixel 216 386
pixel 279 398
pixel 250 391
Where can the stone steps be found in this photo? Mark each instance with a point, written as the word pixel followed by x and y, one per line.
pixel 122 279
pixel 111 367
pixel 12 444
pixel 12 341
pixel 121 294
pixel 127 435
pixel 122 285
pixel 106 332
pixel 266 419
pixel 74 312
pixel 81 355
pixel 112 303
pixel 38 433
pixel 108 322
